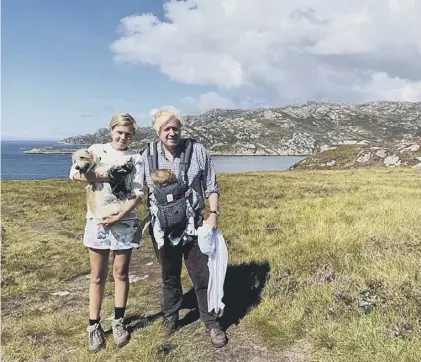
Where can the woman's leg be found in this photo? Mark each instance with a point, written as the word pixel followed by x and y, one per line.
pixel 121 287
pixel 121 277
pixel 99 270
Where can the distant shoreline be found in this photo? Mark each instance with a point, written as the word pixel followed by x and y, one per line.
pixel 64 151
pixel 49 151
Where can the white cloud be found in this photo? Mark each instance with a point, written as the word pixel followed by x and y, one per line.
pixel 277 51
pixel 141 116
pixel 392 88
pixel 154 110
pixel 205 102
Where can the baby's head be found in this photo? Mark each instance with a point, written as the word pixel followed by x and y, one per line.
pixel 163 177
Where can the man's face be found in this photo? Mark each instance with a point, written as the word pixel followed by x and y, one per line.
pixel 170 133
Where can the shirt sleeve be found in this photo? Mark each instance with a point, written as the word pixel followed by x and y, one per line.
pixel 138 177
pixel 210 184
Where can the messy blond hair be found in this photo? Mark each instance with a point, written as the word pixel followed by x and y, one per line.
pixel 123 119
pixel 162 116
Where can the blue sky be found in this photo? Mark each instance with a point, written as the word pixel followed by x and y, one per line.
pixel 68 66
pixel 58 73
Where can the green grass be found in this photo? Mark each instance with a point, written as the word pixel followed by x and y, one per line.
pixel 343 249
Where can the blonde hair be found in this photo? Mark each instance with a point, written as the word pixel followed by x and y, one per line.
pixel 163 177
pixel 123 119
pixel 163 116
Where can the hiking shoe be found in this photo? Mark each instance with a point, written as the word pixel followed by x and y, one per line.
pixel 120 333
pixel 170 323
pixel 218 337
pixel 96 337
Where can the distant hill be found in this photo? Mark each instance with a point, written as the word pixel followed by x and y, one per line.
pixel 302 129
pixel 403 153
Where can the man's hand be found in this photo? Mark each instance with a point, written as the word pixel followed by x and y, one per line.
pixel 109 220
pixel 116 174
pixel 212 221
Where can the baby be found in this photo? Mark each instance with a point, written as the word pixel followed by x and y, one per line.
pixel 163 177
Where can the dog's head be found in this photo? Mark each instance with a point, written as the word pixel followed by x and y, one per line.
pixel 163 177
pixel 84 161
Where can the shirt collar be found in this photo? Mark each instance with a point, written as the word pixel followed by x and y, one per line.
pixel 160 148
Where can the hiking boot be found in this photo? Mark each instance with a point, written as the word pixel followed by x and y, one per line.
pixel 96 337
pixel 120 333
pixel 218 337
pixel 170 323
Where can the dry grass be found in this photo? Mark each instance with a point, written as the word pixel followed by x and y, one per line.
pixel 327 260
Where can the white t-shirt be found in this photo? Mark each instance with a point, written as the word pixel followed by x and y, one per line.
pixel 110 156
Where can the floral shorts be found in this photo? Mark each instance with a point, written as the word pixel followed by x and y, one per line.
pixel 119 236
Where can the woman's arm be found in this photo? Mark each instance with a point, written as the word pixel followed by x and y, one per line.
pixel 89 177
pixel 128 207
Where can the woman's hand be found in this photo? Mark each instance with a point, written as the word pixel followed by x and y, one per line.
pixel 109 220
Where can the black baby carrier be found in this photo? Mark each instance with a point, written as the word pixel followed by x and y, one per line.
pixel 172 200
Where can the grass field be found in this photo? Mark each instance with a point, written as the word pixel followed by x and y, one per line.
pixel 324 266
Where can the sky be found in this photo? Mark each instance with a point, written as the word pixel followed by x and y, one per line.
pixel 68 66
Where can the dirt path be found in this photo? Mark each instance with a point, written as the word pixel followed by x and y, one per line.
pixel 186 343
pixel 242 346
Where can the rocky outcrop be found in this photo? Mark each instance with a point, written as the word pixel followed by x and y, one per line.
pixel 406 152
pixel 50 150
pixel 301 129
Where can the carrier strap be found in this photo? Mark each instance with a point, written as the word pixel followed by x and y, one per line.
pixel 185 159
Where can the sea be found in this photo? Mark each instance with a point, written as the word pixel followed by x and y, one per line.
pixel 16 165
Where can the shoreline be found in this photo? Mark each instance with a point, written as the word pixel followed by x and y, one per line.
pixel 66 151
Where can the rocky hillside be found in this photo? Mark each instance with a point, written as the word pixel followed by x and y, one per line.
pixel 302 129
pixel 406 152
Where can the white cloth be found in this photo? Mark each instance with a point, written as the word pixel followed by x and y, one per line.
pixel 212 243
pixel 158 233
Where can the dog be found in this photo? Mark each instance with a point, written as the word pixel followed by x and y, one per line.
pixel 99 195
pixel 163 177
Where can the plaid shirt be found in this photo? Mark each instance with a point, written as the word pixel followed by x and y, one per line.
pixel 201 173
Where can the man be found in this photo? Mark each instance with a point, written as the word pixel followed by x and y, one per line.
pixel 176 213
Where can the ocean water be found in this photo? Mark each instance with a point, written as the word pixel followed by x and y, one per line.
pixel 16 165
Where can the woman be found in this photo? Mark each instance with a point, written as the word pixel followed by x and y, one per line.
pixel 196 178
pixel 114 232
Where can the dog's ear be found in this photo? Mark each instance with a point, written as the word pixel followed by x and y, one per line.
pixel 75 156
pixel 96 158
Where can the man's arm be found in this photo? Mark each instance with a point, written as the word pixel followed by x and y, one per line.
pixel 212 220
pixel 211 188
pixel 214 201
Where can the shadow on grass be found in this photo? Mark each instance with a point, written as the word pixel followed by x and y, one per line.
pixel 139 321
pixel 242 290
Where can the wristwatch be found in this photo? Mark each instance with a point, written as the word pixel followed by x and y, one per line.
pixel 214 212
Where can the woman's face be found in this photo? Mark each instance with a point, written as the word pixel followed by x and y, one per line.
pixel 121 137
pixel 170 133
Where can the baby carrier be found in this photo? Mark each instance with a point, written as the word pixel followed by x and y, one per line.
pixel 173 200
